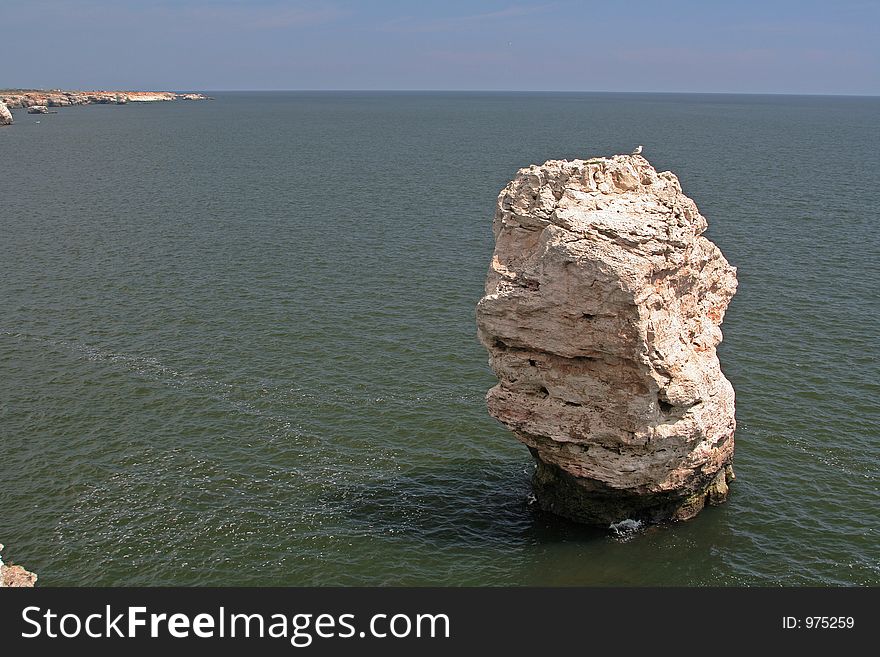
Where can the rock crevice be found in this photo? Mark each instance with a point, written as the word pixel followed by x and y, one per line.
pixel 601 317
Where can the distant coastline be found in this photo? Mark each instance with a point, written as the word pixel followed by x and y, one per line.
pixel 25 98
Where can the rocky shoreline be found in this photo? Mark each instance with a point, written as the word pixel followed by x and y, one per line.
pixel 38 101
pixel 15 576
pixel 23 98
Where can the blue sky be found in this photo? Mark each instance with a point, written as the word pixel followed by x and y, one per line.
pixel 769 46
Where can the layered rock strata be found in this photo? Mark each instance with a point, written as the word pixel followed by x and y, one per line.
pixel 601 317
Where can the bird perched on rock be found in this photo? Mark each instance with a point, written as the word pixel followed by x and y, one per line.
pixel 638 150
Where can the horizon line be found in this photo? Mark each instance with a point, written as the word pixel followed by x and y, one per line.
pixel 550 91
pixel 486 91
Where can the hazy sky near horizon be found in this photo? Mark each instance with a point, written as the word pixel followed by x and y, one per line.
pixel 766 46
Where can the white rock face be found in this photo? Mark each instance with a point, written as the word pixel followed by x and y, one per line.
pixel 601 317
pixel 148 97
pixel 5 115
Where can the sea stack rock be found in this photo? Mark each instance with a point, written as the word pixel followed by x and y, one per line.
pixel 5 115
pixel 15 576
pixel 601 317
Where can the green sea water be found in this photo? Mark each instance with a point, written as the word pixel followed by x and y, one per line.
pixel 237 340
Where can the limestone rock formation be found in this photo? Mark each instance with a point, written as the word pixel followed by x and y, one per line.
pixel 5 115
pixel 38 109
pixel 61 100
pixel 15 576
pixel 601 317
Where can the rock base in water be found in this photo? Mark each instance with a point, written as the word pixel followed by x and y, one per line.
pixel 594 503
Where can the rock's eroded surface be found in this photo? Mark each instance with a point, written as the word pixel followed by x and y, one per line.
pixel 5 115
pixel 601 317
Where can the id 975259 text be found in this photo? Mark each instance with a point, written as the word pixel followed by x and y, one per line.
pixel 818 622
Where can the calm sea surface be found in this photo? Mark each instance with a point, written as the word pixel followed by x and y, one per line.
pixel 237 340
